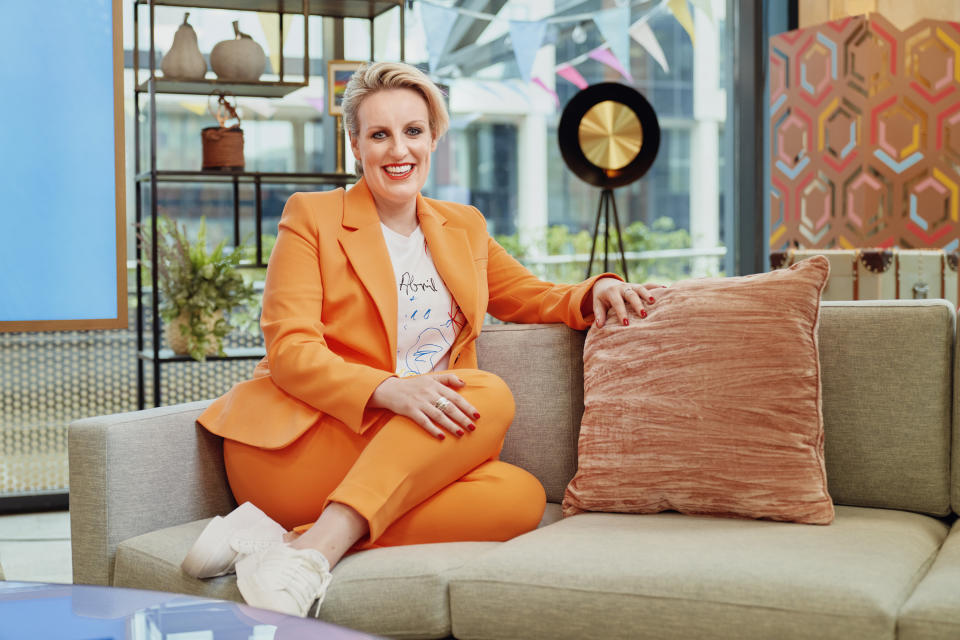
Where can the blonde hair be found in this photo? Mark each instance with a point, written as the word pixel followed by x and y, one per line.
pixel 373 77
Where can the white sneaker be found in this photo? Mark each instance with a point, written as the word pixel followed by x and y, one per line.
pixel 244 530
pixel 284 579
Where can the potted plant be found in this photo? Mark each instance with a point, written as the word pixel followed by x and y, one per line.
pixel 203 296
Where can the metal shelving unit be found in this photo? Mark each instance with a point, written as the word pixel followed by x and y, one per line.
pixel 150 177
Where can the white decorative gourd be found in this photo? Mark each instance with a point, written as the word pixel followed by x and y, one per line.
pixel 238 60
pixel 184 61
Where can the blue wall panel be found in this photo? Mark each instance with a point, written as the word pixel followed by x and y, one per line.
pixel 58 191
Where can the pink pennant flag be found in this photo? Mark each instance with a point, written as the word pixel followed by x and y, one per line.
pixel 570 74
pixel 540 83
pixel 317 103
pixel 607 58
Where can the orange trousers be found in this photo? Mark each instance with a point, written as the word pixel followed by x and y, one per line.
pixel 411 487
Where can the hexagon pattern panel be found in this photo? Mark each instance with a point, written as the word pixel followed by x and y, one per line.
pixel 865 135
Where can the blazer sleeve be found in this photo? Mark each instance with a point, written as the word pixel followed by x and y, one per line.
pixel 516 295
pixel 300 361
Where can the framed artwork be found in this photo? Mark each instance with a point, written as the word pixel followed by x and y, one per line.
pixel 338 75
pixel 62 212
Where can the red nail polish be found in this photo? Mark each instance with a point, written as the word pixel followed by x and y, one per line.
pixel 440 436
pixel 471 427
pixel 476 416
pixel 651 300
pixel 625 322
pixel 643 313
pixel 459 432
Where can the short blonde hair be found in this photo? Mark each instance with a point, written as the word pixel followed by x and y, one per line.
pixel 377 76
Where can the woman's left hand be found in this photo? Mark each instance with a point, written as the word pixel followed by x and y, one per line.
pixel 610 294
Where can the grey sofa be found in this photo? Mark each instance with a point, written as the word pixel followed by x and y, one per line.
pixel 144 484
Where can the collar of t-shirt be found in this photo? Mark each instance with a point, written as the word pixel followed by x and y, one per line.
pixel 428 319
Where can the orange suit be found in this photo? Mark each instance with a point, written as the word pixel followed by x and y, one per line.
pixel 299 434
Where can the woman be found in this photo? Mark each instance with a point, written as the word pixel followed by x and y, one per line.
pixel 368 417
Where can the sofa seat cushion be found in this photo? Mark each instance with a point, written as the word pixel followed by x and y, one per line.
pixel 933 610
pixel 399 592
pixel 668 575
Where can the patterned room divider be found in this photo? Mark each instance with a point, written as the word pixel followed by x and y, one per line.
pixel 865 135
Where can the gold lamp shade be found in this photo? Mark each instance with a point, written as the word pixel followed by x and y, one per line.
pixel 610 135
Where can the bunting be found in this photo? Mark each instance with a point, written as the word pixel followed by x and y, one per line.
pixel 707 7
pixel 319 104
pixel 271 31
pixel 681 11
pixel 607 58
pixel 540 83
pixel 643 34
pixel 570 74
pixel 611 24
pixel 437 24
pixel 526 38
pixel 197 108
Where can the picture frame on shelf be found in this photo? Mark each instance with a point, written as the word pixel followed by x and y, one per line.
pixel 339 73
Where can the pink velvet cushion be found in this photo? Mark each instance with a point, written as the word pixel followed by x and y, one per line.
pixel 711 405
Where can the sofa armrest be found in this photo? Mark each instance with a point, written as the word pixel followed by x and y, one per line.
pixel 132 473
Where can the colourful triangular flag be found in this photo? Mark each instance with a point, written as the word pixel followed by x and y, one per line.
pixel 707 7
pixel 437 24
pixel 643 34
pixel 271 31
pixel 610 22
pixel 526 38
pixel 197 108
pixel 543 85
pixel 570 74
pixel 607 58
pixel 681 11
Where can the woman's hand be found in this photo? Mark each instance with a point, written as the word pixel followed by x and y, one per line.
pixel 419 398
pixel 610 293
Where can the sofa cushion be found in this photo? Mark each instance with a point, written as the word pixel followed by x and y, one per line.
pixel 711 405
pixel 543 366
pixel 399 592
pixel 886 370
pixel 933 610
pixel 605 575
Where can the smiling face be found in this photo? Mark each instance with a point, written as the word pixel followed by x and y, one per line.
pixel 393 144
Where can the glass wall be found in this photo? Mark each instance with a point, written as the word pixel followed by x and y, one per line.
pixel 502 154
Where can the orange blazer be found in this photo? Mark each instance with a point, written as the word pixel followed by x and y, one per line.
pixel 329 315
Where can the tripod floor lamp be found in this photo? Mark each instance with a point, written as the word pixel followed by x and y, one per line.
pixel 609 136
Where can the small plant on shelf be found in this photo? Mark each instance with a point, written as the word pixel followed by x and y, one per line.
pixel 203 295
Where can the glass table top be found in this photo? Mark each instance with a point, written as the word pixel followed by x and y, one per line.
pixel 84 612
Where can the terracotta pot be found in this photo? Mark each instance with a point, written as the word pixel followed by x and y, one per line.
pixel 178 340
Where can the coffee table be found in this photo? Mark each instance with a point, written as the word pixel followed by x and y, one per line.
pixel 85 612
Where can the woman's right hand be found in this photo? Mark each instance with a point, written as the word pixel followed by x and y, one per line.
pixel 416 398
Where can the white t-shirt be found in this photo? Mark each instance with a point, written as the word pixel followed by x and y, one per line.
pixel 428 319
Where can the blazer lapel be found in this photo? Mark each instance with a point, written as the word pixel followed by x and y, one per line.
pixel 363 243
pixel 454 260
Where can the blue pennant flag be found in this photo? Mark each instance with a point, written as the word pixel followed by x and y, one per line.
pixel 526 38
pixel 613 25
pixel 437 24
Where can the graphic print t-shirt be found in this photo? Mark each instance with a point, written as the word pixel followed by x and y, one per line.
pixel 428 319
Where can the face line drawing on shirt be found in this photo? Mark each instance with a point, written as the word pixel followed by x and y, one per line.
pixel 424 351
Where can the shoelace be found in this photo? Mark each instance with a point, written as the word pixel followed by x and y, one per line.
pixel 306 581
pixel 246 546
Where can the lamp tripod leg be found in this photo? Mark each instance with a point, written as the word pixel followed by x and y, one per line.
pixel 623 255
pixel 593 243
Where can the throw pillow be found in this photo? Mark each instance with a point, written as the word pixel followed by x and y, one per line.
pixel 711 405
